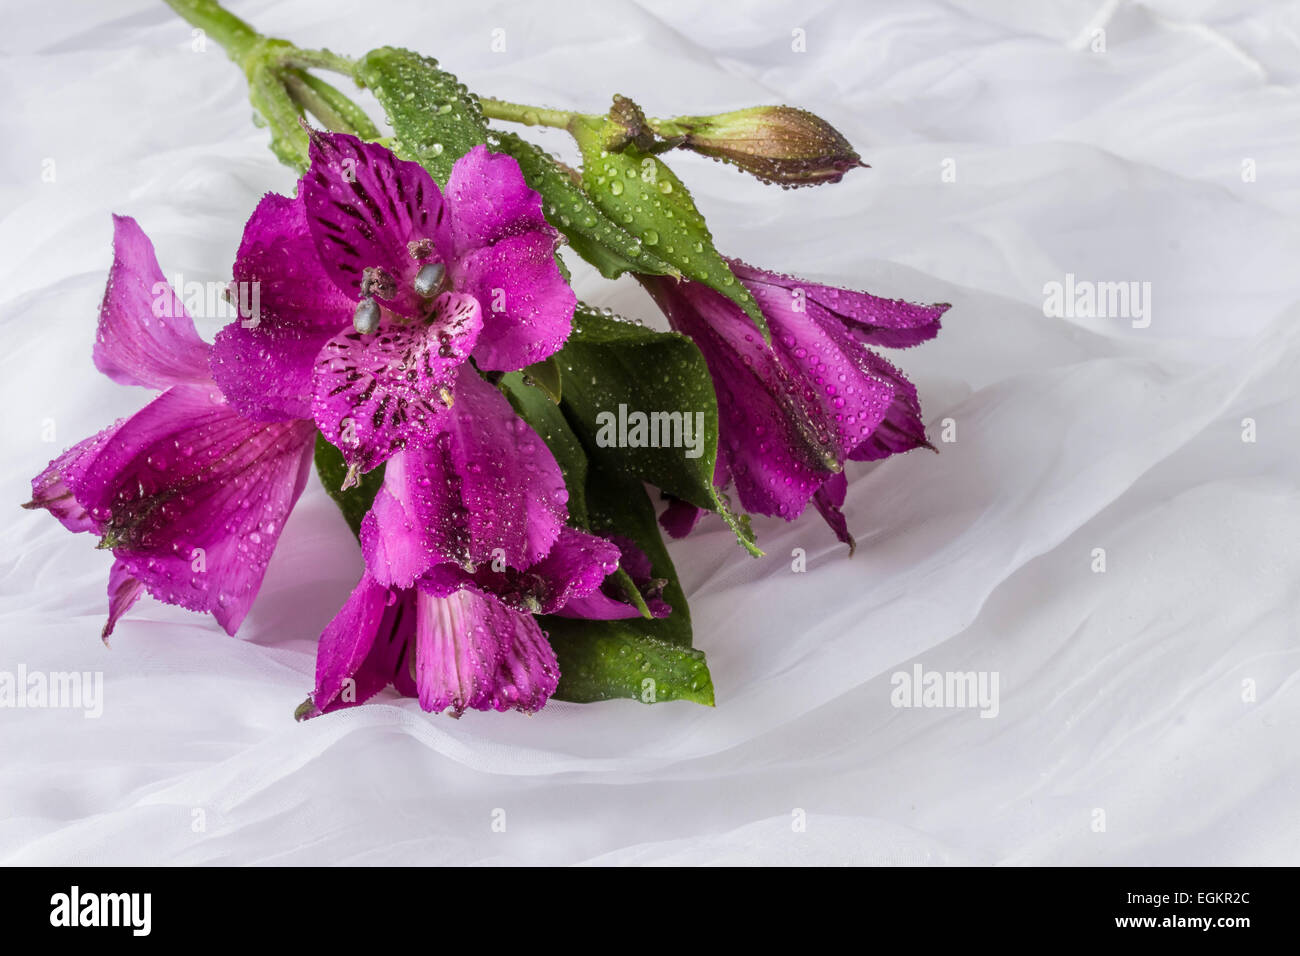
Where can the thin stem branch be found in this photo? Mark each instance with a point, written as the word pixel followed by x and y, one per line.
pixel 329 105
pixel 320 60
pixel 528 115
pixel 236 37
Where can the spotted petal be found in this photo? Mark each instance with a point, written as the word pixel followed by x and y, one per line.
pixel 374 392
pixel 485 487
pixel 365 209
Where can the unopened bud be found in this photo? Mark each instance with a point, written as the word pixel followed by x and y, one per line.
pixel 778 144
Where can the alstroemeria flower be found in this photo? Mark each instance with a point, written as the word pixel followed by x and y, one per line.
pixel 463 652
pixel 459 640
pixel 189 495
pixel 792 413
pixel 467 540
pixel 375 287
pixel 462 639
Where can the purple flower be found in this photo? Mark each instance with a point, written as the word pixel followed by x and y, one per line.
pixel 465 651
pixel 484 488
pixel 375 287
pixel 465 542
pixel 461 637
pixel 188 494
pixel 790 414
pixel 458 640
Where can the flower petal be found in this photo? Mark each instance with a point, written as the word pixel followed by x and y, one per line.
pixel 777 445
pixel 504 254
pixel 365 207
pixel 680 518
pixel 527 305
pixel 289 309
pixel 484 487
pixel 838 387
pixel 393 536
pixel 872 320
pixel 146 337
pixel 473 653
pixel 829 499
pixel 364 649
pixel 576 565
pixel 192 497
pixel 374 391
pixel 345 644
pixel 488 201
pixel 54 489
pixel 123 592
pixel 608 602
pixel 902 428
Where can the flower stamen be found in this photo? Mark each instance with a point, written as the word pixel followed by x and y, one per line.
pixel 366 317
pixel 429 278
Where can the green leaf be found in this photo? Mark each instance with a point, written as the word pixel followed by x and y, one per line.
pixel 619 660
pixel 608 659
pixel 536 407
pixel 355 502
pixel 632 594
pixel 435 119
pixel 608 363
pixel 592 234
pixel 546 376
pixel 618 504
pixel 638 191
pixel 606 502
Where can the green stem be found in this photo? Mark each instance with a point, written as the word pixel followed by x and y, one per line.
pixel 320 60
pixel 329 105
pixel 668 128
pixel 279 85
pixel 528 115
pixel 236 37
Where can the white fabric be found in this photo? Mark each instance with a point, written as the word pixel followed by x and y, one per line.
pixel 1120 692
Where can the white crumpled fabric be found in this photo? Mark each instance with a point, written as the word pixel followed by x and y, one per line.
pixel 1147 714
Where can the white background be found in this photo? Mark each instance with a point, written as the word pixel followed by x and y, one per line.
pixel 1120 691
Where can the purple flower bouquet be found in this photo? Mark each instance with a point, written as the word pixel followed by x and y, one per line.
pixel 406 326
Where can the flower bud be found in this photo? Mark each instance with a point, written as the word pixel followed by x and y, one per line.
pixel 777 144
